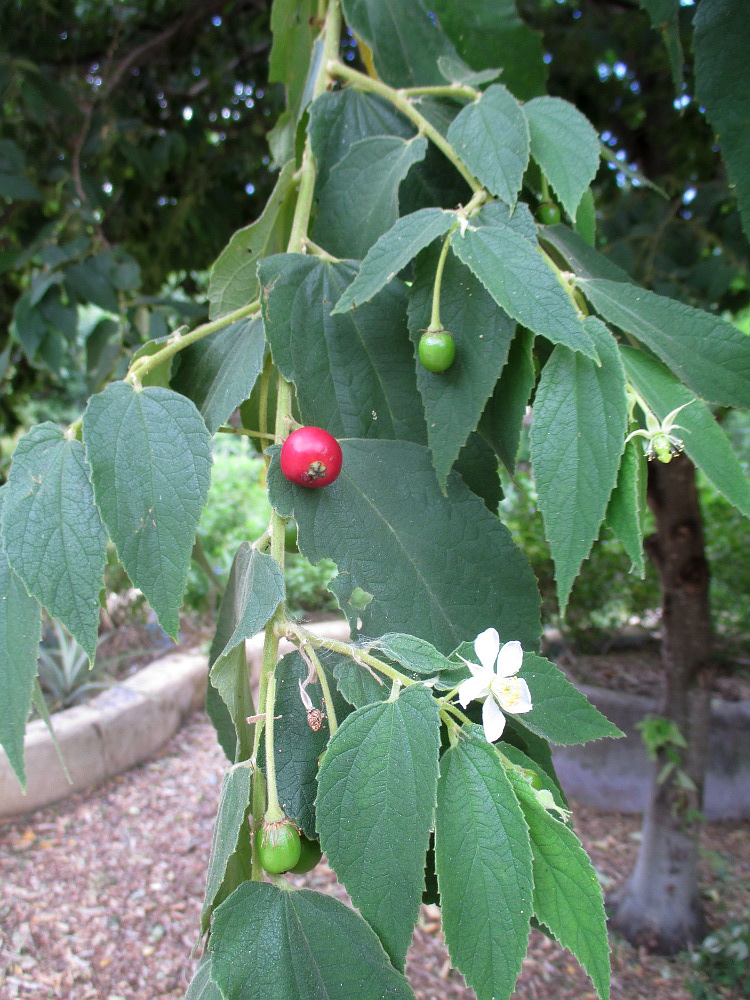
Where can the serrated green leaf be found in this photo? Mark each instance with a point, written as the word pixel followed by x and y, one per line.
pixel 392 252
pixel 230 823
pixel 502 419
pixel 297 746
pixel 234 281
pixel 708 354
pixel 520 219
pixel 406 42
pixel 547 778
pixel 413 653
pixel 491 136
pixel 577 438
pixel 20 632
pixel 52 532
pixel 478 467
pixel 561 714
pixel 357 684
pixel 293 25
pixel 150 456
pixel 271 944
pixel 567 895
pixel 359 201
pixel 354 373
pixel 521 281
pixel 453 400
pixel 375 807
pixel 483 860
pixel 440 567
pixel 580 255
pixel 221 720
pixel 705 442
pixel 219 372
pixel 339 118
pixel 486 34
pixel 722 71
pixel 627 505
pixel 455 70
pixel 565 145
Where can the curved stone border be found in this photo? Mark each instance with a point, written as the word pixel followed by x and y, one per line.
pixel 616 774
pixel 121 727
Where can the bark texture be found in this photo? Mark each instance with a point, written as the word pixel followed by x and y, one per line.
pixel 659 907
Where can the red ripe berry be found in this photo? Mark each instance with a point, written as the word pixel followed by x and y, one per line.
pixel 311 457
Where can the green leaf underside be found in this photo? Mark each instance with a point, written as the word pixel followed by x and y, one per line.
pixel 445 575
pixel 219 714
pixel 565 145
pixel 722 70
pixel 577 438
pixel 516 756
pixel 294 29
pixel 229 826
pixel 20 632
pixel 340 118
pixel 392 252
pixel 567 895
pixel 151 460
pixel 502 419
pixel 234 281
pixel 202 987
pixel 354 373
pixel 413 653
pixel 704 441
pixel 219 372
pixel 561 714
pixel 709 355
pixel 453 400
pixel 52 532
pixel 375 807
pixel 519 279
pixel 627 505
pixel 483 861
pixel 298 747
pixel 491 136
pixel 358 685
pixel 406 43
pixel 278 945
pixel 359 201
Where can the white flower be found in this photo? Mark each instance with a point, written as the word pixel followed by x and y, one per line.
pixel 494 681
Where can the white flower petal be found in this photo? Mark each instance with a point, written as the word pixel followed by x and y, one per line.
pixel 513 695
pixel 486 646
pixel 473 688
pixel 474 668
pixel 509 659
pixel 493 720
pixel 524 695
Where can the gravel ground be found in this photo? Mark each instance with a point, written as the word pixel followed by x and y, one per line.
pixel 101 894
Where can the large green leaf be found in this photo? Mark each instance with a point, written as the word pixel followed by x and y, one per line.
pixel 150 455
pixel 406 42
pixel 483 860
pixel 453 400
pixel 229 826
pixel 354 373
pixel 440 567
pixel 491 136
pixel 567 895
pixel 520 280
pixel 477 466
pixel 565 145
pixel 219 372
pixel 560 713
pixel 271 944
pixel 722 71
pixel 705 442
pixel 359 201
pixel 234 281
pixel 393 251
pixel 707 353
pixel 375 807
pixel 20 631
pixel 341 117
pixel 52 532
pixel 577 438
pixel 492 34
pixel 294 28
pixel 502 420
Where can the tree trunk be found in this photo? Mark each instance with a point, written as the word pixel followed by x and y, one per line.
pixel 659 907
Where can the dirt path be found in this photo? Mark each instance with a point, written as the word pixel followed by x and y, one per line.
pixel 101 895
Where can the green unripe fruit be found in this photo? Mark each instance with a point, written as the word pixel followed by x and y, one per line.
pixel 437 350
pixel 278 846
pixel 310 855
pixel 548 213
